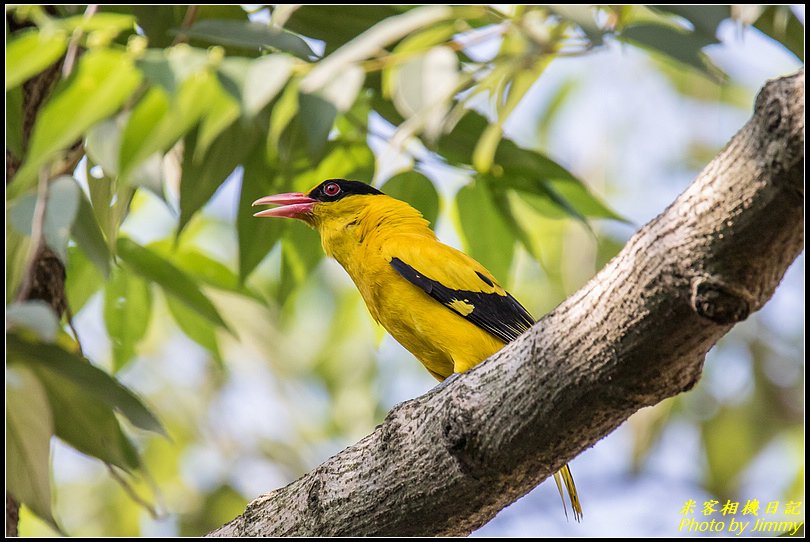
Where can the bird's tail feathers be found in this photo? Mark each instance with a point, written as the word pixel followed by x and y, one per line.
pixel 564 476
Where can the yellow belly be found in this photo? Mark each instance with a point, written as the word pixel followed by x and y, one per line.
pixel 438 337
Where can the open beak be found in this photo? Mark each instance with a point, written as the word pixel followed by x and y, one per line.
pixel 292 205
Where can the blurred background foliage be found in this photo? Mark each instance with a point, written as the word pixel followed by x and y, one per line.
pixel 227 357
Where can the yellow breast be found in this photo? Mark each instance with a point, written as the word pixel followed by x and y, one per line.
pixel 363 238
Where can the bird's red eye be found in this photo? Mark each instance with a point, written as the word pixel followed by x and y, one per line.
pixel 331 189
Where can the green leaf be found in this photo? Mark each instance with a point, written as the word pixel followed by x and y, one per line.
pixel 256 235
pixel 704 18
pixel 232 72
pixel 83 279
pixel 529 171
pixel 485 148
pixel 196 328
pixel 249 35
pixel 342 91
pixel 556 104
pixel 529 163
pixel 319 22
pixel 85 422
pixel 369 43
pixel 646 428
pixel 109 23
pixel 169 68
pixel 259 80
pixel 102 82
pixel 212 11
pixel 316 117
pixel 89 237
pixel 14 122
pixel 487 237
pixel 36 316
pixel 420 83
pixel 420 41
pixel 559 192
pixel 160 22
pixel 730 424
pixel 457 146
pixel 382 106
pixel 173 281
pixel 157 20
pixel 583 17
pixel 507 213
pixel 127 308
pixel 343 160
pixel 781 24
pixel 110 200
pixel 157 123
pixel 30 52
pixel 103 144
pixel 102 195
pixel 680 45
pixel 352 125
pixel 417 190
pixel 427 38
pixel 29 427
pixel 223 111
pixel 217 506
pixel 522 81
pixel 198 265
pixel 577 196
pixel 91 379
pixel 60 212
pixel 301 252
pixel 18 246
pixel 694 85
pixel 284 111
pixel 144 122
pixel 204 173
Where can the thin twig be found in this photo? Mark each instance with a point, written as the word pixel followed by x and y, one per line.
pixel 160 504
pixel 384 61
pixel 69 316
pixel 188 20
pixel 73 47
pixel 281 13
pixel 37 236
pixel 131 492
pixel 460 43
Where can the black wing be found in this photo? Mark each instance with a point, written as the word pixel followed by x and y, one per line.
pixel 500 315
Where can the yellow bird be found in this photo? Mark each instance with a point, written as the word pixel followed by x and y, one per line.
pixel 440 304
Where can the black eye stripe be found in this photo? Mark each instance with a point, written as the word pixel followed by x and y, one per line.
pixel 335 189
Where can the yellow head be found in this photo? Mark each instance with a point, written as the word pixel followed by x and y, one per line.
pixel 345 213
pixel 328 201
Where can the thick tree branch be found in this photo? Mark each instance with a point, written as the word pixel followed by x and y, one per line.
pixel 637 333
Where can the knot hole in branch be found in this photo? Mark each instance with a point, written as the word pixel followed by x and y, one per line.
pixel 314 497
pixel 718 302
pixel 779 107
pixel 458 434
pixel 776 98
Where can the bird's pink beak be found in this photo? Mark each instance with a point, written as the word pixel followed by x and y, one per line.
pixel 292 205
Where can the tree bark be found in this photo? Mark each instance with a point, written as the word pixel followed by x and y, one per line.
pixel 637 333
pixel 48 272
pixel 48 285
